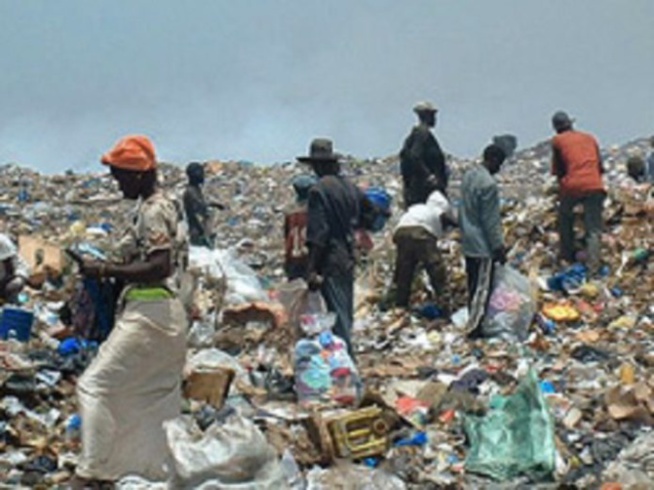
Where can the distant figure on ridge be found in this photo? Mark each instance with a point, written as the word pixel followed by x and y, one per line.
pixel 195 206
pixel 422 161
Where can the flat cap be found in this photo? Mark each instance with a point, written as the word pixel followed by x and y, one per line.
pixel 422 107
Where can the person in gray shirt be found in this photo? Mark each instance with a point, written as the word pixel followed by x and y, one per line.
pixel 481 229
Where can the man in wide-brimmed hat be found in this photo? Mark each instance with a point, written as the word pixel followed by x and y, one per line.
pixel 335 209
pixel 422 161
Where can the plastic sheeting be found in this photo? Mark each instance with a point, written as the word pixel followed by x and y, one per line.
pixel 243 285
pixel 635 464
pixel 307 309
pixel 352 477
pixel 231 456
pixel 515 438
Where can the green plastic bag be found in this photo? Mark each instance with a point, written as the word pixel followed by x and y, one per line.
pixel 516 437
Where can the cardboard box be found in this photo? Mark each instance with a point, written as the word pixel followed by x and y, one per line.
pixel 210 386
pixel 39 254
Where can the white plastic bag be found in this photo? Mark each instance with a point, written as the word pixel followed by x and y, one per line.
pixel 201 334
pixel 511 306
pixel 230 456
pixel 243 285
pixel 308 313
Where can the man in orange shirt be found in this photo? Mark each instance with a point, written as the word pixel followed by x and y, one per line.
pixel 577 164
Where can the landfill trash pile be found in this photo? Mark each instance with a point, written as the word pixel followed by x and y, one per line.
pixel 272 401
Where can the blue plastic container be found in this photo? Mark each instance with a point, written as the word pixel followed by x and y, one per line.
pixel 16 323
pixel 381 199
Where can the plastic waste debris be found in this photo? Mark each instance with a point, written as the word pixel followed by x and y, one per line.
pixel 515 438
pixel 234 455
pixel 511 307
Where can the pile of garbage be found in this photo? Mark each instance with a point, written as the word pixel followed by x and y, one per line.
pixel 562 394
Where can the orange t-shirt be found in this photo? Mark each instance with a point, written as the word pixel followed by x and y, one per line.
pixel 579 155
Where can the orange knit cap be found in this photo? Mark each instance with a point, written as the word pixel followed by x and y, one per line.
pixel 133 152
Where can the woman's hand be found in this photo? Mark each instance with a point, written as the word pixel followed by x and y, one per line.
pixel 93 268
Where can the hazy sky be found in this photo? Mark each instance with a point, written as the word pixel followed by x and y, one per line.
pixel 256 80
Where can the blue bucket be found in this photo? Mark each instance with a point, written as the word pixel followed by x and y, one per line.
pixel 16 323
pixel 382 200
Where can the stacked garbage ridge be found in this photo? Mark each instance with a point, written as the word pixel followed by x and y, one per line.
pixel 567 401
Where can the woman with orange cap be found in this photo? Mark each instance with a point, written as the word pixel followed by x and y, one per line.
pixel 133 385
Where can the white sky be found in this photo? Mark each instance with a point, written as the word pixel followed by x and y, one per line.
pixel 257 80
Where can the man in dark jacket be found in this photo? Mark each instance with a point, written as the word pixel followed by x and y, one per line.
pixel 422 161
pixel 335 209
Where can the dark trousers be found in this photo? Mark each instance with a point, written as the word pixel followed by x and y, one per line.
pixel 296 270
pixel 473 265
pixel 592 204
pixel 338 293
pixel 415 246
pixel 414 194
pixel 479 272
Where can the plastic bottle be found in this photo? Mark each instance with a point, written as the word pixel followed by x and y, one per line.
pixel 14 345
pixel 418 439
pixel 73 429
pixel 344 389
